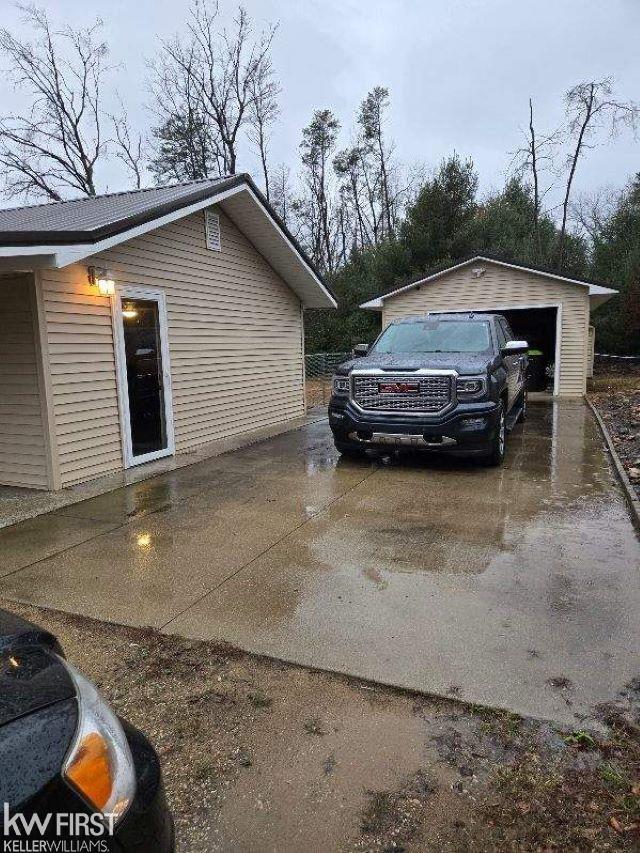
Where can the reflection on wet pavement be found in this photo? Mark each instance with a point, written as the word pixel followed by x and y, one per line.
pixel 423 572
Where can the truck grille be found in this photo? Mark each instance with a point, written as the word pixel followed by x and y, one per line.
pixel 433 393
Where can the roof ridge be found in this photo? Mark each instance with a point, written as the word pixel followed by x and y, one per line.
pixel 117 194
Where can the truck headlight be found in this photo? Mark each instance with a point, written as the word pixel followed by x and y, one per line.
pixel 469 386
pixel 341 385
pixel 99 765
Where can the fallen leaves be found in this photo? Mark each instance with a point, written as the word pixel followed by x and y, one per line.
pixel 620 827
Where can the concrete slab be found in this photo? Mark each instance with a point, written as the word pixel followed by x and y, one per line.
pixel 516 587
pixel 18 504
pixel 167 549
pixel 27 543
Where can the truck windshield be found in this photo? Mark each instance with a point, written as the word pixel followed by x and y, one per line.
pixel 425 336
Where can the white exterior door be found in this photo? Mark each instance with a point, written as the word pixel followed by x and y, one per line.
pixel 144 374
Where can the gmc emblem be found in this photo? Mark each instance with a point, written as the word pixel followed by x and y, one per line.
pixel 398 388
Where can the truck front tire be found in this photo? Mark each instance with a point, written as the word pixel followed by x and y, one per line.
pixel 347 449
pixel 495 457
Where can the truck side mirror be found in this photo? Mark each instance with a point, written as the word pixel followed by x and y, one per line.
pixel 360 350
pixel 515 348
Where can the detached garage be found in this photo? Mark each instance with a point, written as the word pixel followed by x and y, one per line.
pixel 137 325
pixel 548 310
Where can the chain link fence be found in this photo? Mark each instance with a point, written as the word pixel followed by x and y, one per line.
pixel 319 368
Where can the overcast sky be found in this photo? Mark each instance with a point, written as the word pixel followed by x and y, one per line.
pixel 460 72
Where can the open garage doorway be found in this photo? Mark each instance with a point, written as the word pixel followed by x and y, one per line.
pixel 540 327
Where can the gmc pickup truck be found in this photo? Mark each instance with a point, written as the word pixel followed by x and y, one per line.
pixel 448 382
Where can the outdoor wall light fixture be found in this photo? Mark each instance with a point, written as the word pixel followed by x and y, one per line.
pixel 102 279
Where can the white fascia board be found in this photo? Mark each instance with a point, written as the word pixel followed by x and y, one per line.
pixel 27 251
pixel 63 256
pixel 292 248
pixel 598 290
pixel 72 254
pixel 373 305
pixel 376 304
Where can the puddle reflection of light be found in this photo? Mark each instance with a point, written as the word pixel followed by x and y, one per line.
pixel 144 540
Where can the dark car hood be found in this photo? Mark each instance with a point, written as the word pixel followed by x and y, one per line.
pixel 464 363
pixel 32 676
pixel 14 629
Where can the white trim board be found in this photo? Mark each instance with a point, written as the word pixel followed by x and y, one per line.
pixel 66 255
pixel 62 256
pixel 594 289
pixel 136 292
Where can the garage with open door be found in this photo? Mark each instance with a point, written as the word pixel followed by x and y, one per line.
pixel 539 327
pixel 549 310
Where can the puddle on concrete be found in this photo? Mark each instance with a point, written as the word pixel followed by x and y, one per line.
pixel 422 573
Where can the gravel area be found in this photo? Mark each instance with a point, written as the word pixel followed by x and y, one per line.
pixel 615 391
pixel 259 755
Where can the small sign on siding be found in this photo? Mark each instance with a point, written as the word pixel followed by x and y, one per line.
pixel 212 230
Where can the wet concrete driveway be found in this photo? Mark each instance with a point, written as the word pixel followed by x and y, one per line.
pixel 518 588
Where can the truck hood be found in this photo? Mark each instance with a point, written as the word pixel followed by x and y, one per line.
pixel 464 363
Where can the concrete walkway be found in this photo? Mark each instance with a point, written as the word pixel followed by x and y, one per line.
pixel 18 504
pixel 517 588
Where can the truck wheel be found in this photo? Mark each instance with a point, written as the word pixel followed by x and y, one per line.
pixel 345 448
pixel 495 457
pixel 523 411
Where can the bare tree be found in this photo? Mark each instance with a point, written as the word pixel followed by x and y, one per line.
pixel 55 145
pixel 186 143
pixel 264 111
pixel 590 106
pixel 283 199
pixel 128 146
pixel 591 211
pixel 223 79
pixel 533 159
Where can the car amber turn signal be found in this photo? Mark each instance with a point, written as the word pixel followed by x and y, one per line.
pixel 99 765
pixel 90 770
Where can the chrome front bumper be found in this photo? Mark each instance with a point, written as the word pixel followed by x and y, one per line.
pixel 403 439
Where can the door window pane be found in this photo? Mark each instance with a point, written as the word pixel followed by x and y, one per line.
pixel 141 321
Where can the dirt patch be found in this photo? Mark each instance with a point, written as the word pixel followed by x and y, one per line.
pixel 615 391
pixel 318 391
pixel 259 755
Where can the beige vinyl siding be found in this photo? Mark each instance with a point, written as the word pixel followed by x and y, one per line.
pixel 502 287
pixel 591 351
pixel 84 394
pixel 235 341
pixel 23 448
